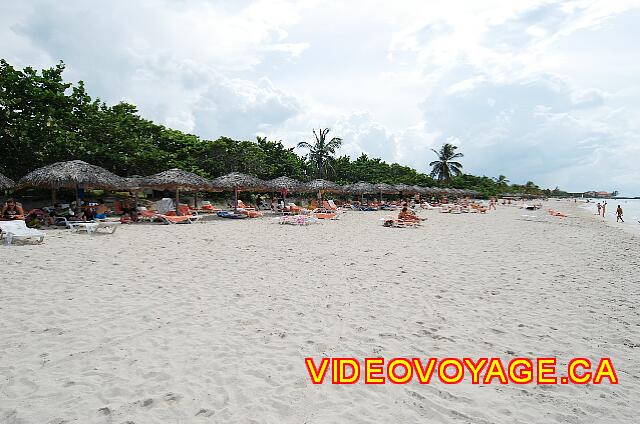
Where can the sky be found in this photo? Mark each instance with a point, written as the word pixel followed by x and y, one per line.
pixel 534 90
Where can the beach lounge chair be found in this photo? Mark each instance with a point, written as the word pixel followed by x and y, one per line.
pixel 93 227
pixel 18 230
pixel 241 205
pixel 207 207
pixel 187 217
pixel 329 205
pixel 294 208
pixel 168 218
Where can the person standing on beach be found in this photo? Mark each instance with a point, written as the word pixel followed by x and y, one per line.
pixel 619 214
pixel 599 208
pixel 604 206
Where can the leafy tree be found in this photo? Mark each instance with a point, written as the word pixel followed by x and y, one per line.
pixel 322 150
pixel 43 119
pixel 444 168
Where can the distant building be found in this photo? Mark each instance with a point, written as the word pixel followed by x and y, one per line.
pixel 597 194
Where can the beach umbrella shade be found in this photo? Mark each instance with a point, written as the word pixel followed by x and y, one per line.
pixel 72 174
pixel 284 185
pixel 174 179
pixel 6 183
pixel 236 181
pixel 321 186
pixel 404 189
pixel 362 188
pixel 384 188
pixel 134 185
pixel 419 190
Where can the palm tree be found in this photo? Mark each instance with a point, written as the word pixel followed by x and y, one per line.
pixel 444 168
pixel 501 180
pixel 321 152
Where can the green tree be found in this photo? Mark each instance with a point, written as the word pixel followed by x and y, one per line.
pixel 445 167
pixel 321 151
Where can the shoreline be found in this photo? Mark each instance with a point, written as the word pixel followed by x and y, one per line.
pixel 629 227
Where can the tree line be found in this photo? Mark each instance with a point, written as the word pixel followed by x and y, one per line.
pixel 44 119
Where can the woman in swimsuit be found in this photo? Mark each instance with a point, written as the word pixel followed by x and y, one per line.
pixel 12 210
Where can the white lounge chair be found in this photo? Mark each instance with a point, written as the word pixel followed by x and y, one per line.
pixel 18 230
pixel 92 227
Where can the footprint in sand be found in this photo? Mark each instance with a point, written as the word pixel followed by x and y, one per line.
pixel 205 413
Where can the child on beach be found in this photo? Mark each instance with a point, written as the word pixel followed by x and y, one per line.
pixel 599 208
pixel 619 214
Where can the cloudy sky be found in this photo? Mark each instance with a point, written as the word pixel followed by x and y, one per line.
pixel 535 90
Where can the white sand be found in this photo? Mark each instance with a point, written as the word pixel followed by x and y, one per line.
pixel 211 322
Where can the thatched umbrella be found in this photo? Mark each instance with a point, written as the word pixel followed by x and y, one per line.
pixel 175 179
pixel 236 181
pixel 134 185
pixel 321 186
pixel 404 189
pixel 362 188
pixel 72 174
pixel 6 183
pixel 284 185
pixel 384 188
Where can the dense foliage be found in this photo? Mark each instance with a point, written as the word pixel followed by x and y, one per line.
pixel 44 119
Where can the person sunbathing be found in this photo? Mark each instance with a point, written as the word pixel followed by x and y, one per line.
pixel 406 215
pixel 12 210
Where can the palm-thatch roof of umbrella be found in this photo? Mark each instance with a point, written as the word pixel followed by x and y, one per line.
pixel 6 183
pixel 430 190
pixel 71 174
pixel 386 188
pixel 238 181
pixel 174 179
pixel 405 188
pixel 284 183
pixel 418 189
pixel 362 187
pixel 323 185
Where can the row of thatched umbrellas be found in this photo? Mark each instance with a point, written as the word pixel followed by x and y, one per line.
pixel 77 174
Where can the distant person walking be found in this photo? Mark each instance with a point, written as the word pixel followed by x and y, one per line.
pixel 599 208
pixel 619 214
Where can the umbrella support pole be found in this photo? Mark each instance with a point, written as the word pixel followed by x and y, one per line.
pixel 78 206
pixel 177 201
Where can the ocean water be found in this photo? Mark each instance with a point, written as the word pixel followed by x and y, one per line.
pixel 630 209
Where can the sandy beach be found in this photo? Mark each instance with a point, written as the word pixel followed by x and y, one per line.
pixel 211 322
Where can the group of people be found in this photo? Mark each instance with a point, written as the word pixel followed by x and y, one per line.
pixel 602 208
pixel 12 210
